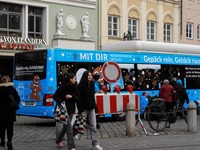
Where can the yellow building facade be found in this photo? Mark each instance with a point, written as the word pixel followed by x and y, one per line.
pixel 148 20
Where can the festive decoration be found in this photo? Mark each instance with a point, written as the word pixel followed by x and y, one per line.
pixel 144 93
pixel 127 77
pixel 117 88
pixel 104 88
pixel 129 88
pixel 65 69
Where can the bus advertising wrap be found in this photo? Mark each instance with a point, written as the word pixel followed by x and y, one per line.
pixel 128 57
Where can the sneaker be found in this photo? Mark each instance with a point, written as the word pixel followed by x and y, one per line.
pixel 97 147
pixel 60 145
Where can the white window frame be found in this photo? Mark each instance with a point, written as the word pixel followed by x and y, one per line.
pixel 165 30
pixel 36 16
pixel 10 13
pixel 198 31
pixel 189 31
pixel 131 26
pixel 24 26
pixel 149 39
pixel 112 24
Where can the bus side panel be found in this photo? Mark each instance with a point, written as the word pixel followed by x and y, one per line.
pixel 51 78
pixel 48 87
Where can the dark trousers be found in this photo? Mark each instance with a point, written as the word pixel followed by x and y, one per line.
pixel 168 106
pixel 9 127
pixel 98 119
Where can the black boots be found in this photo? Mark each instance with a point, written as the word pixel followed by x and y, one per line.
pixel 2 144
pixel 9 146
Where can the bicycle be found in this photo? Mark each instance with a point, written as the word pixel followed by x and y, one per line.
pixel 150 96
pixel 158 120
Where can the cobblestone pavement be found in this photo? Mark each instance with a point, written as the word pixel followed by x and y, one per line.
pixel 36 133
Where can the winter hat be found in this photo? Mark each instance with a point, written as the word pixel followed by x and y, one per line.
pixel 179 81
pixel 166 81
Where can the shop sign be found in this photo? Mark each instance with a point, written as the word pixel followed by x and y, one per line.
pixel 7 42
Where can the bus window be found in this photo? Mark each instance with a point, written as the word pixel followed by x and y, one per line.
pixel 29 64
pixel 192 75
pixel 170 71
pixel 128 75
pixel 148 76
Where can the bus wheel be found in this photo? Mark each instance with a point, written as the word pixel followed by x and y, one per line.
pixel 119 117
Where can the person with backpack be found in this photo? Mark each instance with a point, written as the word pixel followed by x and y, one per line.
pixel 181 92
pixel 167 92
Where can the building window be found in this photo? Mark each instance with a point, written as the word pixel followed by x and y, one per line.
pixel 151 27
pixel 167 32
pixel 133 27
pixel 35 22
pixel 10 20
pixel 189 31
pixel 113 25
pixel 198 32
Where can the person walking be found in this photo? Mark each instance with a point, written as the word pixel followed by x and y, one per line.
pixel 7 114
pixel 87 91
pixel 69 93
pixel 181 92
pixel 165 90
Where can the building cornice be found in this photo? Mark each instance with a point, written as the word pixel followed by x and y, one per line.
pixel 78 3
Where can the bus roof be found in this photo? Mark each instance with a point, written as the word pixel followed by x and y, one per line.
pixel 152 47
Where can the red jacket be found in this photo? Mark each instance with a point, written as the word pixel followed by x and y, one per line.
pixel 166 91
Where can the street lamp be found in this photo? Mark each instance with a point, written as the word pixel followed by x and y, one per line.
pixel 127 37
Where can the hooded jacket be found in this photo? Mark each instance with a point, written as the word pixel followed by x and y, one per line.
pixel 65 89
pixel 181 93
pixel 6 113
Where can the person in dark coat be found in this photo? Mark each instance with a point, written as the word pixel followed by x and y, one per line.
pixel 7 114
pixel 173 82
pixel 97 86
pixel 87 91
pixel 69 93
pixel 165 90
pixel 181 92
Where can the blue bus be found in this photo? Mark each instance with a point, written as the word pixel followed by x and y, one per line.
pixel 38 73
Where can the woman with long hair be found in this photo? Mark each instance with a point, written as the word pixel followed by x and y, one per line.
pixel 87 91
pixel 7 114
pixel 69 93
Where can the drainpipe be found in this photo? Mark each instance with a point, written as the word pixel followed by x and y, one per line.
pixel 181 16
